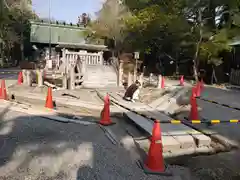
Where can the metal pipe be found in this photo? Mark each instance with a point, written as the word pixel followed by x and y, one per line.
pixel 50 32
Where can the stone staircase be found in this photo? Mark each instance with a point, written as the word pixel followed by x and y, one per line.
pixel 99 76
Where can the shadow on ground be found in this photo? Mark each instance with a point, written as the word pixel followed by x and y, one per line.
pixel 37 148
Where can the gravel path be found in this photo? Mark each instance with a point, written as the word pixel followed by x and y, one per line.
pixel 36 148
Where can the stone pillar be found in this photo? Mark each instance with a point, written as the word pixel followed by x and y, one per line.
pixel 120 74
pixel 130 78
pixel 141 79
pixel 72 79
pixel 135 75
pixel 64 81
pixel 150 78
pixel 159 81
pixel 83 67
pixel 40 77
pixel 24 73
pixel 58 61
pixel 29 78
pixel 101 57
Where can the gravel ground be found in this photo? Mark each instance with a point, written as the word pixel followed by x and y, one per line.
pixel 36 148
pixel 222 166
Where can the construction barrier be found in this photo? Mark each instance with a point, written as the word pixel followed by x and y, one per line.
pixel 215 102
pixel 213 121
pixel 174 121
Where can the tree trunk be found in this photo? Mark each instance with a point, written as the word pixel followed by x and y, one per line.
pixel 177 64
pixel 195 60
pixel 214 78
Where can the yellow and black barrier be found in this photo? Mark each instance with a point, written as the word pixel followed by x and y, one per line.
pixel 213 121
pixel 215 102
pixel 173 121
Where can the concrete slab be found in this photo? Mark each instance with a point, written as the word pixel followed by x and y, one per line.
pixel 61 100
pixel 179 132
pixel 169 143
pixel 176 135
pixel 185 135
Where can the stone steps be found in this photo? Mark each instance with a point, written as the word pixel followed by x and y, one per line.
pixel 100 76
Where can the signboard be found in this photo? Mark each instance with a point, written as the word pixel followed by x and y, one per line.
pixel 136 55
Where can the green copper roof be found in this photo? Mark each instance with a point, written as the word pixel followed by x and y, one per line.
pixel 40 33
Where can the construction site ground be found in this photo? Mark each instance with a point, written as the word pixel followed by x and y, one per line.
pixel 219 166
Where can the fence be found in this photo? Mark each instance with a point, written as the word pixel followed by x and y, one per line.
pixel 235 77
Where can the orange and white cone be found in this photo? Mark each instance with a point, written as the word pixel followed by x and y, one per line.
pixel 105 114
pixel 154 163
pixel 3 93
pixel 194 109
pixel 163 83
pixel 182 81
pixel 20 78
pixel 49 99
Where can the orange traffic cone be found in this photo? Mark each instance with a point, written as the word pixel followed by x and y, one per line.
pixel 156 131
pixel 163 82
pixel 154 163
pixel 194 109
pixel 182 81
pixel 49 100
pixel 105 114
pixel 20 78
pixel 3 94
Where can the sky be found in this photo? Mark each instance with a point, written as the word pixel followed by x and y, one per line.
pixel 66 10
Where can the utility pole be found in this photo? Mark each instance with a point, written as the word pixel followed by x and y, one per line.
pixel 50 31
pixel 1 42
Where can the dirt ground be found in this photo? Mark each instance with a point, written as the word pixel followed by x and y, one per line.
pixel 222 166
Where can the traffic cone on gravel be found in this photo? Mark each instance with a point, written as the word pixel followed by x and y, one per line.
pixel 154 163
pixel 105 114
pixel 49 100
pixel 182 81
pixel 20 78
pixel 162 83
pixel 194 109
pixel 3 90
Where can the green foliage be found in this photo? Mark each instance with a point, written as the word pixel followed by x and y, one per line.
pixel 210 49
pixel 14 23
pixel 174 27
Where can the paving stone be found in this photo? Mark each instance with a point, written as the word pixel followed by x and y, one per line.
pixel 179 132
pixel 169 143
